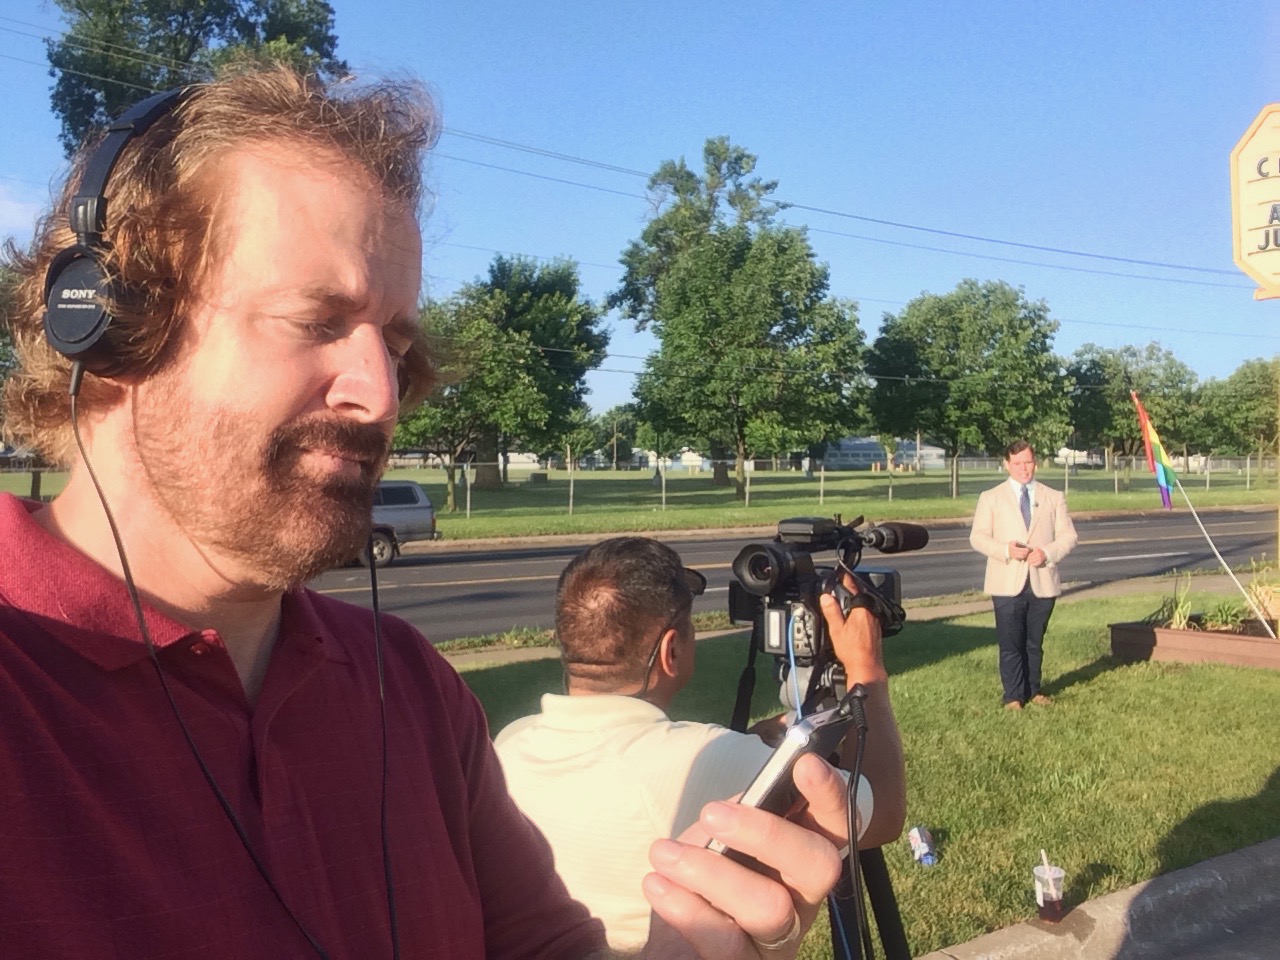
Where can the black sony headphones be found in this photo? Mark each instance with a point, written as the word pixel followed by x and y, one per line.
pixel 76 286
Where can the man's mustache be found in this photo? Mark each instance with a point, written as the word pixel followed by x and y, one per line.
pixel 364 442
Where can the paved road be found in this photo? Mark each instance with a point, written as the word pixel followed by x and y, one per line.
pixel 449 592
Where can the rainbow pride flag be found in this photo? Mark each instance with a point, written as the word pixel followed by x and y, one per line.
pixel 1157 460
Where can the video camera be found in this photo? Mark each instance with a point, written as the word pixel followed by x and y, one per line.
pixel 777 588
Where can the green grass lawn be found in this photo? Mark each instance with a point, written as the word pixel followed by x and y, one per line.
pixel 1134 771
pixel 608 502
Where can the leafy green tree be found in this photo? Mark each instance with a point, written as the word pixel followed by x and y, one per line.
pixel 1235 416
pixel 1242 409
pixel 973 368
pixel 1198 430
pixel 116 52
pixel 484 382
pixel 755 357
pixel 564 340
pixel 662 440
pixel 8 360
pixel 902 386
pixel 1091 401
pixel 1106 417
pixel 687 209
pixel 578 438
pixel 616 433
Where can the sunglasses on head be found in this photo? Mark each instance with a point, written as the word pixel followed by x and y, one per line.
pixel 695 581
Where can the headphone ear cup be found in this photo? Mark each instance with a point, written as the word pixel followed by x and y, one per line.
pixel 76 293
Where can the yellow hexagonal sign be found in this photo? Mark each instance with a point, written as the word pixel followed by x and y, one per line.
pixel 1255 202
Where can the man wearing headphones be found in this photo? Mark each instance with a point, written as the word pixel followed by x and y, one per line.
pixel 603 771
pixel 199 758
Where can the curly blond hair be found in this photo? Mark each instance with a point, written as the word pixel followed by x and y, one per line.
pixel 161 236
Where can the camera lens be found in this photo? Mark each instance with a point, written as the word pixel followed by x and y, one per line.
pixel 760 567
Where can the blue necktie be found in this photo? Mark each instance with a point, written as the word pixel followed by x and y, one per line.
pixel 1025 503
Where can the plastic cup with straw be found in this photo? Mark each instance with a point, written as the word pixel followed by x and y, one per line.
pixel 1049 889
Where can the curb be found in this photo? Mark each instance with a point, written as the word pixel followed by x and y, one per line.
pixel 1148 920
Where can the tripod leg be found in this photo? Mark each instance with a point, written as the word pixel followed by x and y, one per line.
pixel 884 905
pixel 846 944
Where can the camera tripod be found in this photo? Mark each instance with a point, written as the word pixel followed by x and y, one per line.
pixel 846 913
pixel 884 907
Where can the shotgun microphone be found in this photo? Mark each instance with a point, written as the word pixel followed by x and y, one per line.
pixel 894 537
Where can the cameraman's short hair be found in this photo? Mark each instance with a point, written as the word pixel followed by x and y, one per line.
pixel 611 601
pixel 162 236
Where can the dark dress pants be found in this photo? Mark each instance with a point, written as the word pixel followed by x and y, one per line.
pixel 1020 624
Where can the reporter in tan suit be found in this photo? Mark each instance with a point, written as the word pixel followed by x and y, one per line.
pixel 1023 529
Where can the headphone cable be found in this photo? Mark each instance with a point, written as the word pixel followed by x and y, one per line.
pixel 77 374
pixel 382 706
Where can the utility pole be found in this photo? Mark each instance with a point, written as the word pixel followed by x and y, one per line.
pixel 615 444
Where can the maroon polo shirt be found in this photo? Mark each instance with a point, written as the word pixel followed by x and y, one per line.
pixel 113 846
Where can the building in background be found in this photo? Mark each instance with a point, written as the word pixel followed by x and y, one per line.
pixel 867 453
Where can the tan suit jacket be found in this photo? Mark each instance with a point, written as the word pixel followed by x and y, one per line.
pixel 998 520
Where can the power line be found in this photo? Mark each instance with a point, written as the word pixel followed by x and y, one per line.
pixel 81 73
pixel 1061 320
pixel 1010 243
pixel 100 47
pixel 538 176
pixel 538 151
pixel 619 169
pixel 36 183
pixel 137 54
pixel 552 154
pixel 1031 263
pixel 880 240
pixel 628 171
pixel 700 370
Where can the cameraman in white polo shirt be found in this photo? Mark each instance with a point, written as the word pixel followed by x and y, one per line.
pixel 603 771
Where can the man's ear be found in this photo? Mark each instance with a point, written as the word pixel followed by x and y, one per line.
pixel 671 651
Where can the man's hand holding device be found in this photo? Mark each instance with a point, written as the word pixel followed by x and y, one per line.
pixel 745 844
pixel 739 911
pixel 773 788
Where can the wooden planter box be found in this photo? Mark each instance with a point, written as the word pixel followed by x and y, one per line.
pixel 1140 641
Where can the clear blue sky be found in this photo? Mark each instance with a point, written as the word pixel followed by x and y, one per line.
pixel 1097 127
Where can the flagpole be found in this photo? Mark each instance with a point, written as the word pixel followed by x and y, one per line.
pixel 1231 573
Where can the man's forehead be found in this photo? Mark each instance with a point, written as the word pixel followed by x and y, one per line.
pixel 272 204
pixel 288 181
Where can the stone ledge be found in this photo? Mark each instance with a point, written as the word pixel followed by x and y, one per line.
pixel 1147 921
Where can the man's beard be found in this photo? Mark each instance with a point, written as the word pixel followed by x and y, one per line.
pixel 249 499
